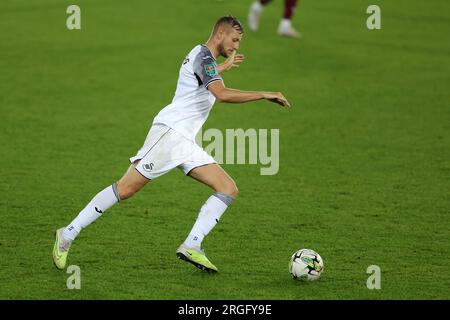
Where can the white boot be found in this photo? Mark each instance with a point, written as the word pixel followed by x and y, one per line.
pixel 287 30
pixel 254 14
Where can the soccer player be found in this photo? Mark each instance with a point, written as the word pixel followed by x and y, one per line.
pixel 285 27
pixel 171 143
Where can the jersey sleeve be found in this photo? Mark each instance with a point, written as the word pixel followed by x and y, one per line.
pixel 205 69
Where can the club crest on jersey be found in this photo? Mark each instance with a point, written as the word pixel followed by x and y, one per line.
pixel 210 70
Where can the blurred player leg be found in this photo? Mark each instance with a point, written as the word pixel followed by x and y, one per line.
pixel 285 28
pixel 254 14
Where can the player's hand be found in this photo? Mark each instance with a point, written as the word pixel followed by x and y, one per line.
pixel 277 97
pixel 232 61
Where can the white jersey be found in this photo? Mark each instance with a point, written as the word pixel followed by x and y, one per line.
pixel 192 102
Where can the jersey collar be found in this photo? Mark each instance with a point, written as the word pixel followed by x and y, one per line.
pixel 204 45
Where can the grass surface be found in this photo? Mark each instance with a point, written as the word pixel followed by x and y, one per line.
pixel 364 152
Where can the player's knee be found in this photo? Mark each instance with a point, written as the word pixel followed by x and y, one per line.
pixel 126 190
pixel 234 191
pixel 230 189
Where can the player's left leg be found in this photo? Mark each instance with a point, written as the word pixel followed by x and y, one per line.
pixel 225 191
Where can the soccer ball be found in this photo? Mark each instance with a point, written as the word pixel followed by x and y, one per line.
pixel 306 264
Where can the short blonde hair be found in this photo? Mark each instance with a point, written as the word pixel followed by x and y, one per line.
pixel 230 21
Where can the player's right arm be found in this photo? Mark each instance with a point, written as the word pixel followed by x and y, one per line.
pixel 223 94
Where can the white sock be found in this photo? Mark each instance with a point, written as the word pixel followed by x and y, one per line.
pixel 208 217
pixel 99 204
pixel 257 6
pixel 285 23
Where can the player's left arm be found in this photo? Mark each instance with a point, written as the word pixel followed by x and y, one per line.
pixel 232 61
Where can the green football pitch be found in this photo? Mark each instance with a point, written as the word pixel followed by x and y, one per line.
pixel 364 152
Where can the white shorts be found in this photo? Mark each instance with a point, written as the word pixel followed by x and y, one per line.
pixel 165 149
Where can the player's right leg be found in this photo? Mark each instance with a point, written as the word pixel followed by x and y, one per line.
pixel 158 155
pixel 129 184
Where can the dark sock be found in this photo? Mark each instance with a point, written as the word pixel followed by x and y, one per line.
pixel 289 6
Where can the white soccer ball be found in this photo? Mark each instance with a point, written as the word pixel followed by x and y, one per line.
pixel 306 264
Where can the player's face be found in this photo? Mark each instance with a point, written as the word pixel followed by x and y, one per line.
pixel 230 42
